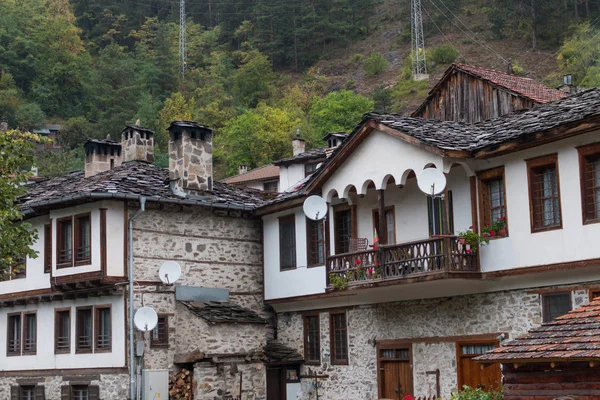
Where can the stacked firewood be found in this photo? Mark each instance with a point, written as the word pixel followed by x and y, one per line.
pixel 181 385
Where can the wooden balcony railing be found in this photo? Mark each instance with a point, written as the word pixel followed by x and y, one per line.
pixel 396 261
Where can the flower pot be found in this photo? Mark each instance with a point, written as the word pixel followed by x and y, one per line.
pixel 501 232
pixel 462 241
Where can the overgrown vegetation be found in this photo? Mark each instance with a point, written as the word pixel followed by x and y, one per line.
pixel 375 64
pixel 468 393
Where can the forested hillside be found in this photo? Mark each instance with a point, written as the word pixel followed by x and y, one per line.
pixel 257 70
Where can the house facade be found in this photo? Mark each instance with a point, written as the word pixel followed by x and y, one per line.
pixel 410 315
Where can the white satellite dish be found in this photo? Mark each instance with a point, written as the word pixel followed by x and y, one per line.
pixel 169 272
pixel 145 319
pixel 431 181
pixel 315 208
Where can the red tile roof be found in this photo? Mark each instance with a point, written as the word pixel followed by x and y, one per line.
pixel 526 87
pixel 263 173
pixel 574 336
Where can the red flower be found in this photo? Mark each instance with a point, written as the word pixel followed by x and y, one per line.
pixel 491 233
pixel 489 223
pixel 468 251
pixel 358 261
pixel 408 397
pixel 370 271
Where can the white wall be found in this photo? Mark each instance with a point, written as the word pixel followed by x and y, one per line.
pixel 115 238
pixel 45 357
pixel 290 175
pixel 297 282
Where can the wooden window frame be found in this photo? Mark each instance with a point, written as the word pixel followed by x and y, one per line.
pixel 16 353
pixel 591 292
pixel 353 223
pixel 77 239
pixel 547 160
pixel 545 310
pixel 460 355
pixel 271 182
pixel 306 173
pixel 310 243
pixel 483 178
pixel 25 331
pixel 60 244
pixel 283 219
pixel 57 312
pixel 584 152
pixel 332 346
pixel 375 216
pixel 164 342
pixel 48 248
pixel 307 359
pixel 78 349
pixel 96 327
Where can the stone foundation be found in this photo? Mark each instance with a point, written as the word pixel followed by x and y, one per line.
pixel 220 382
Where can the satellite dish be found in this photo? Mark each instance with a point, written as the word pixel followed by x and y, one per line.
pixel 169 272
pixel 145 319
pixel 315 208
pixel 431 181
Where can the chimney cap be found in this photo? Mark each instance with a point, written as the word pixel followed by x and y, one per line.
pixel 137 128
pixel 341 135
pixel 187 124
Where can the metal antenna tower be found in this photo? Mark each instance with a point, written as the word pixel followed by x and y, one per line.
pixel 182 58
pixel 419 65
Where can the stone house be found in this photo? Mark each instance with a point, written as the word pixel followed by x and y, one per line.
pixel 66 313
pixel 410 316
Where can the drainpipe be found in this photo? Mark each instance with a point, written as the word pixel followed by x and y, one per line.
pixel 130 272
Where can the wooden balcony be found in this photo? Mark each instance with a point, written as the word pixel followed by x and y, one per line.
pixel 437 257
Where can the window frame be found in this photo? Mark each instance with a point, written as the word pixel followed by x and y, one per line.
pixel 15 353
pixel 96 328
pixel 337 240
pixel 375 216
pixel 545 309
pixel 311 243
pixel 25 331
pixel 485 212
pixel 585 152
pixel 282 220
pixel 28 387
pixel 271 182
pixel 77 239
pixel 305 321
pixel 164 342
pixel 333 348
pixel 78 348
pixel 48 248
pixel 57 324
pixel 60 242
pixel 306 167
pixel 547 160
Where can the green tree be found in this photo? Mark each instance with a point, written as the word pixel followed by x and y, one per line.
pixel 382 97
pixel 375 64
pixel 16 152
pixel 253 80
pixel 76 131
pixel 57 163
pixel 29 116
pixel 580 56
pixel 339 111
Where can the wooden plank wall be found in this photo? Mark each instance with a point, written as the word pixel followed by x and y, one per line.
pixel 465 98
pixel 575 381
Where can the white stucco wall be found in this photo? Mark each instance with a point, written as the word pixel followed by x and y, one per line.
pixel 290 175
pixel 45 357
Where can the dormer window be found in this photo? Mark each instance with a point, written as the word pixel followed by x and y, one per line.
pixel 310 168
pixel 74 241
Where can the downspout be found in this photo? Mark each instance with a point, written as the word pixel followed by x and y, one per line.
pixel 130 273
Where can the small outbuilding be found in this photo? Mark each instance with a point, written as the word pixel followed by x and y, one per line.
pixel 558 360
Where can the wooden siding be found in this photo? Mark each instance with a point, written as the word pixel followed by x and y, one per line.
pixel 540 381
pixel 466 98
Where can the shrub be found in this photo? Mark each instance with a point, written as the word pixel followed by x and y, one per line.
pixel 375 64
pixel 444 54
pixel 476 394
pixel 355 59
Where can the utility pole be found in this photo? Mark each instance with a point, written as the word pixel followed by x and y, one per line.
pixel 419 64
pixel 182 59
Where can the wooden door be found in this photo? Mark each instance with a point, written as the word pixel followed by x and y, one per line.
pixel 473 374
pixel 275 384
pixel 395 373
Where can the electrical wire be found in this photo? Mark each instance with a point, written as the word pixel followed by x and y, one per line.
pixel 438 28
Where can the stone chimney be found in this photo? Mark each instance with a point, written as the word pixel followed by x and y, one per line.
pixel 101 155
pixel 242 169
pixel 190 156
pixel 137 143
pixel 298 144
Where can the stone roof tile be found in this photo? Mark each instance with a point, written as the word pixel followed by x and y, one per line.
pixel 215 312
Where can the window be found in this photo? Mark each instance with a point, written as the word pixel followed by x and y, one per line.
pixel 13 336
pixel 80 392
pixel 103 329
pixel 589 167
pixel 64 242
pixel 594 293
pixel 29 333
pixel 315 240
pixel 271 186
pixel 343 229
pixel 339 338
pixel 437 219
pixel 310 168
pixel 390 223
pixel 73 241
pixel 160 333
pixel 555 304
pixel 82 239
pixel 312 339
pixel 492 195
pixel 544 193
pixel 83 337
pixel 47 248
pixel 62 331
pixel 27 393
pixel 287 242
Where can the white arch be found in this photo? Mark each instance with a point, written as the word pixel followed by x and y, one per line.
pixel 347 189
pixel 331 194
pixel 365 186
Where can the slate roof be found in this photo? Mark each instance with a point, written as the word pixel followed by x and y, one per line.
pixel 526 87
pixel 137 128
pixel 135 178
pixel 574 336
pixel 215 312
pixel 265 172
pixel 275 352
pixel 311 154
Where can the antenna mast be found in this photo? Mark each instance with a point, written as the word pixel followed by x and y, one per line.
pixel 419 65
pixel 182 59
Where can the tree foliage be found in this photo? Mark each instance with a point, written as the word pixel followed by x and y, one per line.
pixel 339 111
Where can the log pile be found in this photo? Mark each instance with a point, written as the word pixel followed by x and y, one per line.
pixel 181 385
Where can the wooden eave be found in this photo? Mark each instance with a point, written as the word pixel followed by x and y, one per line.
pixel 49 295
pixel 280 206
pixel 556 360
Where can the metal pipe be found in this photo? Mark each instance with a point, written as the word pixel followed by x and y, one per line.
pixel 132 377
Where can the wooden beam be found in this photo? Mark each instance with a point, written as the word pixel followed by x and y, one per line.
pixel 382 228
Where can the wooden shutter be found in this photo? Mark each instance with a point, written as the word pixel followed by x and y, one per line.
pixel 40 392
pixel 47 248
pixel 14 393
pixel 94 392
pixel 65 392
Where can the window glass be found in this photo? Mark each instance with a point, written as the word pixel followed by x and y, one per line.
pixel 287 242
pixel 103 327
pixel 84 330
pixel 312 335
pixel 80 392
pixel 30 333
pixel 14 334
pixel 555 305
pixel 339 339
pixel 27 392
pixel 343 231
pixel 63 331
pixel 160 332
pixel 315 242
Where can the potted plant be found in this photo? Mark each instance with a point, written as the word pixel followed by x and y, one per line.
pixel 496 228
pixel 471 240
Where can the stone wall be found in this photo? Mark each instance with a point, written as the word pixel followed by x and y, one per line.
pixel 112 386
pixel 190 158
pixel 218 381
pixel 514 312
